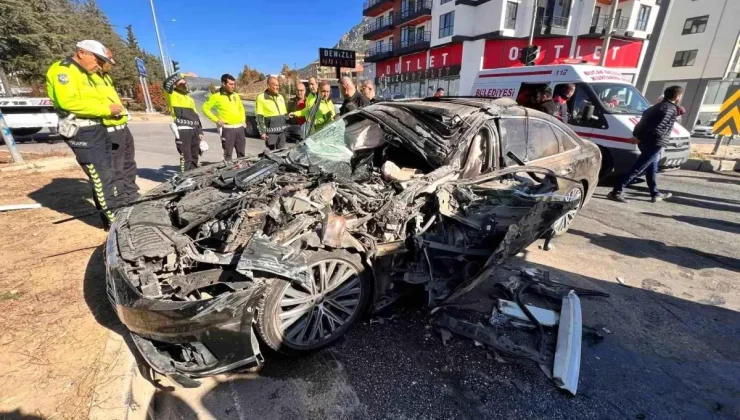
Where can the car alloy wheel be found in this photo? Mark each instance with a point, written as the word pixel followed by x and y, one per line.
pixel 307 316
pixel 563 224
pixel 311 313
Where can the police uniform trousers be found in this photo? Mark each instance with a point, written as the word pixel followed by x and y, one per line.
pixel 124 165
pixel 188 146
pixel 233 138
pixel 275 141
pixel 93 150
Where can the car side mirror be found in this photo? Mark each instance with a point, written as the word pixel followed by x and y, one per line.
pixel 588 113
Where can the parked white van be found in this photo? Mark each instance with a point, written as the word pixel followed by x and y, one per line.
pixel 604 108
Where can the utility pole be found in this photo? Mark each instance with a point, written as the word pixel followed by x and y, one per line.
pixel 608 34
pixel 534 19
pixel 159 41
pixel 574 41
pixel 7 136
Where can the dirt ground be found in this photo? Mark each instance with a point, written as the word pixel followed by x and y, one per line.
pixel 704 151
pixel 51 287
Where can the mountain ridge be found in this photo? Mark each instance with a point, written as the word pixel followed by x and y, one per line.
pixel 350 40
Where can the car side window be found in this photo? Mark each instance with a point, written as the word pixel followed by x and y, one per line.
pixel 566 141
pixel 542 140
pixel 513 139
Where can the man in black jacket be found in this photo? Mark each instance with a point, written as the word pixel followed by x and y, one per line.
pixel 352 98
pixel 651 135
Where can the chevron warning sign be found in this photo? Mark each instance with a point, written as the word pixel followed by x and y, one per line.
pixel 728 121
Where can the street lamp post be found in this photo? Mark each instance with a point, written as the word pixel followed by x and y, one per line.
pixel 159 41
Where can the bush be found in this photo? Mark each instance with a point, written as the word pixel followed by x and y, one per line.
pixel 38 91
pixel 156 93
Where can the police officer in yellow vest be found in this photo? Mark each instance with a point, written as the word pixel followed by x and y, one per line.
pixel 325 112
pixel 123 150
pixel 272 115
pixel 186 119
pixel 230 116
pixel 84 113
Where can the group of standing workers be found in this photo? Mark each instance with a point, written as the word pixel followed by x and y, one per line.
pixel 93 120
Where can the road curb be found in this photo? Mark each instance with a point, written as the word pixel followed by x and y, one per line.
pixel 711 165
pixel 43 165
pixel 121 393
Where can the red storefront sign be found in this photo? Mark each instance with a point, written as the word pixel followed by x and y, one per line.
pixel 414 62
pixel 500 53
pixel 447 56
pixel 388 67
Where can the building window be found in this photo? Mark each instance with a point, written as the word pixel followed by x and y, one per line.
pixel 511 9
pixel 642 18
pixel 595 18
pixel 444 1
pixel 695 25
pixel 684 58
pixel 618 16
pixel 446 24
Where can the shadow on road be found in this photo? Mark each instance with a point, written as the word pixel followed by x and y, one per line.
pixel 720 225
pixel 70 196
pixel 719 178
pixel 696 199
pixel 46 138
pixel 158 175
pixel 17 415
pixel 646 354
pixel 646 248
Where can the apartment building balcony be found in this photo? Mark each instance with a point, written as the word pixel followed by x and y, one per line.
pixel 381 28
pixel 599 23
pixel 379 53
pixel 551 25
pixel 417 12
pixel 414 43
pixel 376 7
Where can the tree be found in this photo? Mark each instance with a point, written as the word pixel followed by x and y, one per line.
pixel 33 35
pixel 131 40
pixel 286 71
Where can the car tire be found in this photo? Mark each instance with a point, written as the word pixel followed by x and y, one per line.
pixel 607 164
pixel 338 310
pixel 563 224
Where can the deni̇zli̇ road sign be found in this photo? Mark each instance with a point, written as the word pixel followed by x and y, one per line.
pixel 728 121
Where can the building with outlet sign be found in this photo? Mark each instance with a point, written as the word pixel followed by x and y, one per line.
pixel 421 45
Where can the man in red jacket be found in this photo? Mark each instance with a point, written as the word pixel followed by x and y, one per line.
pixel 298 103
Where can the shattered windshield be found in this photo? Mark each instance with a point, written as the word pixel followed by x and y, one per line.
pixel 326 148
pixel 619 98
pixel 333 147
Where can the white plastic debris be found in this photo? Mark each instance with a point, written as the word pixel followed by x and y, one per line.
pixel 11 207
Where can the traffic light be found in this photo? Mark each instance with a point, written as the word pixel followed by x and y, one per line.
pixel 175 66
pixel 529 55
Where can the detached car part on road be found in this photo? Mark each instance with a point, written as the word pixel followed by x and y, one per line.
pixel 288 250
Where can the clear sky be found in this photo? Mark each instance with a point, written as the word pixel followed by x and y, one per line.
pixel 214 37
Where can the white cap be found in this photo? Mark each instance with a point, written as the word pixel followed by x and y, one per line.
pixel 94 47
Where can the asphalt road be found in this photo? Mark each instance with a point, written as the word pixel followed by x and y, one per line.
pixel 663 346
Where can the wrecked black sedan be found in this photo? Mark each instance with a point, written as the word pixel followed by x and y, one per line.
pixel 288 250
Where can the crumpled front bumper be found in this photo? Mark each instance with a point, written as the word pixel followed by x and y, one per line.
pixel 185 340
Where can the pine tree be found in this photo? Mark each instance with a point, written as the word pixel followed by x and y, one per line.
pixel 131 40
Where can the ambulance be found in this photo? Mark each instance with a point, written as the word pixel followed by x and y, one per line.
pixel 604 108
